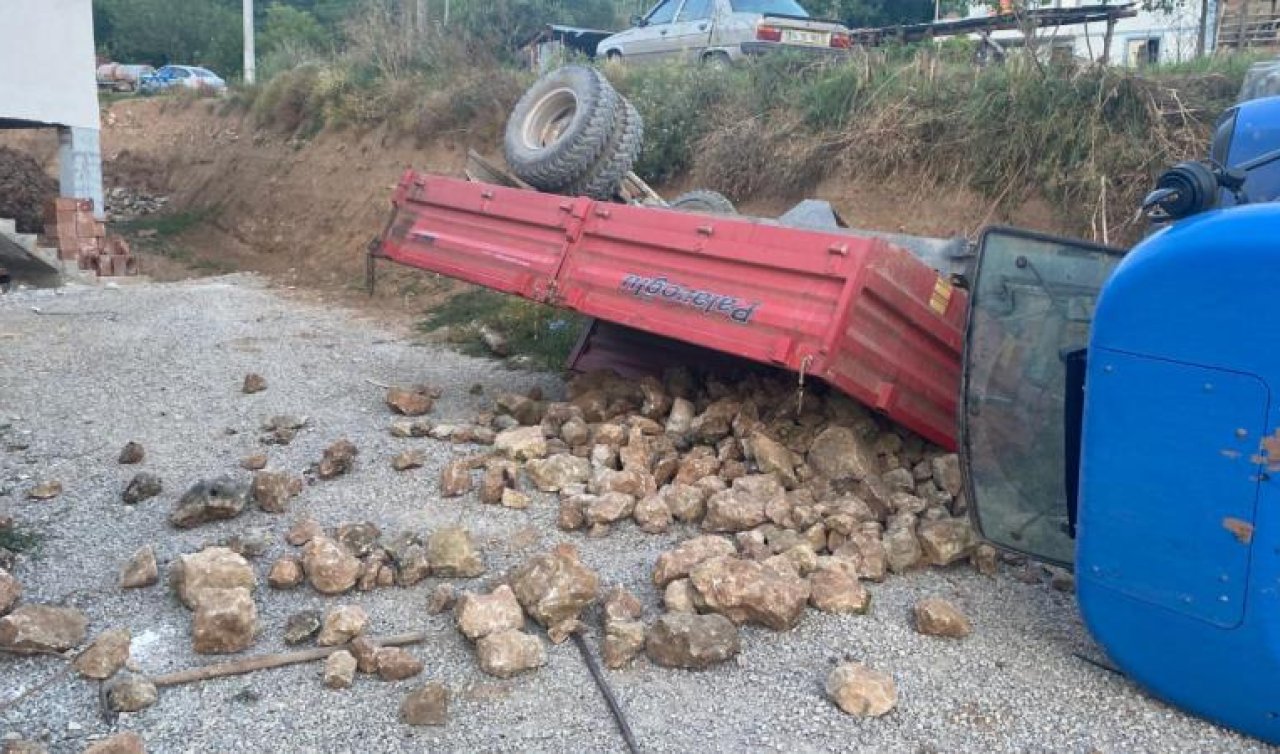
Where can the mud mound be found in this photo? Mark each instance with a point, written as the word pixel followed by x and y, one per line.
pixel 24 190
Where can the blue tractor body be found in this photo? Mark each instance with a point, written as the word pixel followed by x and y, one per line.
pixel 1121 414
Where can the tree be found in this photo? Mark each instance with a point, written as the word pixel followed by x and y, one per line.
pixel 159 32
pixel 288 26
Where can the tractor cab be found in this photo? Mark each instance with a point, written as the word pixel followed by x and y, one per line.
pixel 1030 319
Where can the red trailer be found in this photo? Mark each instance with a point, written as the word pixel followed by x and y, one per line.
pixel 858 312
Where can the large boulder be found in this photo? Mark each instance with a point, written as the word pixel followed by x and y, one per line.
pixel 211 568
pixel 37 629
pixel 554 587
pixel 522 443
pixel 330 568
pixel 833 589
pixel 682 640
pixel 677 563
pixel 745 591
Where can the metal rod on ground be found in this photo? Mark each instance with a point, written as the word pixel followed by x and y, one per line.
pixel 603 685
pixel 264 662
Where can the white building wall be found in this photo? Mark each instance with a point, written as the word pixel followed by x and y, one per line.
pixel 1175 31
pixel 47 72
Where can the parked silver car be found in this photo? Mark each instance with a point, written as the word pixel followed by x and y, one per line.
pixel 721 31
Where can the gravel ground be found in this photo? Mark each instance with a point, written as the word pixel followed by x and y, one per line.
pixel 162 364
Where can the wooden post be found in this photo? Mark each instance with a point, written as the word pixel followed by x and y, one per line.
pixel 1106 40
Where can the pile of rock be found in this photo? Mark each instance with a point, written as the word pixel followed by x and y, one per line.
pixel 552 589
pixel 127 204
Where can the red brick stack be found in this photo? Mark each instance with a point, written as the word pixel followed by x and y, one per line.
pixel 70 226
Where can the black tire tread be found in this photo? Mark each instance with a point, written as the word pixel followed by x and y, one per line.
pixel 562 166
pixel 704 201
pixel 603 179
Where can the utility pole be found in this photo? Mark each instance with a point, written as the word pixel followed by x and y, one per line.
pixel 249 58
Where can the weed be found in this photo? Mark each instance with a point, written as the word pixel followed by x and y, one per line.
pixel 169 224
pixel 17 539
pixel 544 334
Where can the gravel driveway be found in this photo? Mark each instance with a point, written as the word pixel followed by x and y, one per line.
pixel 163 364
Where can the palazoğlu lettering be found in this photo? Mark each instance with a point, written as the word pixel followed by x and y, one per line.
pixel 708 302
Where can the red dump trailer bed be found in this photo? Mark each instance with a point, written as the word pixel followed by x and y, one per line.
pixel 858 312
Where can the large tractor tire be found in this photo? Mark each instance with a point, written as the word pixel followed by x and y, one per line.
pixel 562 127
pixel 705 202
pixel 602 181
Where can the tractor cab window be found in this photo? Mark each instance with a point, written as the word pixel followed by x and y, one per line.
pixel 1030 310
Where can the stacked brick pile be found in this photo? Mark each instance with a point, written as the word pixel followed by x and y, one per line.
pixel 69 225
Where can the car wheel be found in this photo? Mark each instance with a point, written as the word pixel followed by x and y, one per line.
pixel 705 202
pixel 561 127
pixel 717 60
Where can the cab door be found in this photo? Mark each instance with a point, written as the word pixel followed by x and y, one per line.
pixel 1030 310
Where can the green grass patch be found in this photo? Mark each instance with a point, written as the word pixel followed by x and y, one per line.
pixel 168 224
pixel 543 334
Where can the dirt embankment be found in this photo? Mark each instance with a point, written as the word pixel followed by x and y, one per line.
pixel 303 211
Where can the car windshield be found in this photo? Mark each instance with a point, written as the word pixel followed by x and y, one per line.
pixel 776 7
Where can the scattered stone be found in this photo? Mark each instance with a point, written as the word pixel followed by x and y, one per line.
pixel 901 548
pixel 251 543
pixel 452 554
pixel 514 499
pixel 680 597
pixel 206 501
pixel 681 640
pixel 280 430
pixel 121 743
pixel 558 472
pixel 366 653
pixel 140 571
pixel 442 599
pixel 339 670
pixel 129 692
pixel 652 514
pixel 621 604
pixel 302 626
pixel 834 590
pixel 107 654
pixel 341 625
pixel 521 408
pixel 412 565
pixel 338 459
pixel 226 621
pixel 946 473
pixel 409 459
pixel 359 539
pixel 272 490
pixel 131 453
pixel 14 744
pixel 479 615
pixel 397 664
pixel 572 515
pixel 1061 581
pixel 303 531
pixel 861 691
pixel 623 640
pixel 744 505
pixel 409 401
pixel 945 541
pixel 253 383
pixel 46 490
pixel 772 457
pixel 329 567
pixel 211 568
pixel 522 443
pixel 497 478
pixel 560 632
pixel 455 479
pixel 10 591
pixel 745 591
pixel 677 563
pixel 428 705
pixel 839 454
pixel 143 486
pixel 554 587
pixel 985 559
pixel 285 573
pixel 507 653
pixel 938 617
pixel 609 508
